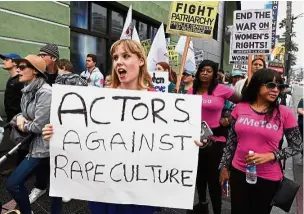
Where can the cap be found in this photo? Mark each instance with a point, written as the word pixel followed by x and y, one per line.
pixel 237 73
pixel 10 56
pixel 51 49
pixel 37 62
pixel 192 73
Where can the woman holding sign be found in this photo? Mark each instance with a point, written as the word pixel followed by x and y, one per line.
pixel 129 72
pixel 35 106
pixel 258 125
pixel 214 96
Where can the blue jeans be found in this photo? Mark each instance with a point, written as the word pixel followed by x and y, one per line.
pixel 16 183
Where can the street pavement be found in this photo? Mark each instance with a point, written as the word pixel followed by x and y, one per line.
pixel 43 204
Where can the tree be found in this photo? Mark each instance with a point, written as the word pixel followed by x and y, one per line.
pixel 293 46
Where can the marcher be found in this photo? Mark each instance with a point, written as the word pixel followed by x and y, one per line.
pixel 12 98
pixel 92 75
pixel 50 54
pixel 108 81
pixel 35 106
pixel 256 64
pixel 258 124
pixel 65 77
pixel 165 67
pixel 130 73
pixel 285 97
pixel 214 96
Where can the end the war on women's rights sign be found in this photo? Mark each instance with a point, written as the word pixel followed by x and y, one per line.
pixel 115 146
pixel 252 31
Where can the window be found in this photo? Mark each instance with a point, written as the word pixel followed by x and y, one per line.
pixel 82 45
pixel 79 14
pixel 153 32
pixel 143 31
pixel 99 18
pixel 117 24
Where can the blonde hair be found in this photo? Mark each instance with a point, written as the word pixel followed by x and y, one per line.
pixel 134 47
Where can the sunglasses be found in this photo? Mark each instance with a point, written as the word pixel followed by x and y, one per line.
pixel 187 75
pixel 272 85
pixel 22 67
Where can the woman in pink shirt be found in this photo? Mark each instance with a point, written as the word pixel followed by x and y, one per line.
pixel 258 124
pixel 214 96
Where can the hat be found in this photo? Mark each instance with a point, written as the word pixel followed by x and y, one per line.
pixel 192 73
pixel 37 62
pixel 237 73
pixel 10 56
pixel 51 49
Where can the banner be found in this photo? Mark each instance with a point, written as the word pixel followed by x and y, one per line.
pixel 147 45
pixel 236 59
pixel 160 80
pixel 192 18
pixel 173 55
pixel 252 31
pixel 190 60
pixel 124 146
pixel 129 31
pixel 275 9
pixel 158 52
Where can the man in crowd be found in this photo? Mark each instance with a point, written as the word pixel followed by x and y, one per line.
pixel 50 54
pixel 12 96
pixel 92 75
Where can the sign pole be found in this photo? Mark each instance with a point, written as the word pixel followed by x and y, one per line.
pixel 181 71
pixel 249 68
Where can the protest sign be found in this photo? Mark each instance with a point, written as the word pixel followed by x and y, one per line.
pixel 237 59
pixel 275 9
pixel 173 55
pixel 124 146
pixel 252 32
pixel 160 80
pixel 147 45
pixel 192 18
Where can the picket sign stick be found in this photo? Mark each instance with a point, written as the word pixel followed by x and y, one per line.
pixel 181 71
pixel 249 67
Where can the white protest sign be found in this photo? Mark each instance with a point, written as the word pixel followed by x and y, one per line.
pixel 160 80
pixel 252 32
pixel 236 59
pixel 124 146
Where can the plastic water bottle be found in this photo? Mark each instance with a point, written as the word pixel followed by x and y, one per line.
pixel 251 176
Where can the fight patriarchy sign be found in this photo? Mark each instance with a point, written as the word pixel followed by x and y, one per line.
pixel 192 18
pixel 252 30
pixel 124 146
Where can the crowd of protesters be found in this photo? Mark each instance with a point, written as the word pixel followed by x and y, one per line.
pixel 226 103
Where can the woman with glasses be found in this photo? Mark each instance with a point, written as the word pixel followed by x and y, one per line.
pixel 214 96
pixel 35 107
pixel 241 85
pixel 258 125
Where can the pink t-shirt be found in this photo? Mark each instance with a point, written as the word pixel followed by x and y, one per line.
pixel 213 105
pixel 254 134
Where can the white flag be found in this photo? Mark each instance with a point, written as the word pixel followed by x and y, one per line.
pixel 158 51
pixel 129 31
pixel 190 60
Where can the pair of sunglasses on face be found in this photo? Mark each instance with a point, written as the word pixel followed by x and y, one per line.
pixel 22 67
pixel 273 85
pixel 187 75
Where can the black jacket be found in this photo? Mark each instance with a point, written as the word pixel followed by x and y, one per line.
pixel 12 97
pixel 51 78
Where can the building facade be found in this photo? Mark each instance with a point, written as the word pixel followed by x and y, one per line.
pixel 80 28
